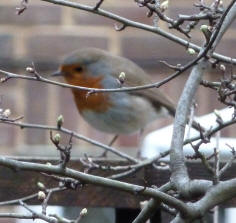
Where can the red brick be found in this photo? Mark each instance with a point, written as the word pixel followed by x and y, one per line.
pixel 6 45
pixel 227 46
pixel 128 140
pixel 68 109
pixel 36 111
pixel 34 15
pixel 8 100
pixel 55 46
pixel 135 13
pixel 7 135
pixel 152 47
pixel 174 11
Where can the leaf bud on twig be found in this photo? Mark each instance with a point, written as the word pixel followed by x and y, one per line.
pixel 48 164
pixel 206 31
pixel 122 77
pixel 7 113
pixel 41 195
pixel 191 51
pixel 60 121
pixel 57 138
pixel 222 67
pixel 30 70
pixel 164 5
pixel 40 185
pixel 84 212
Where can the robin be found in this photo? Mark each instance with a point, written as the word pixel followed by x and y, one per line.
pixel 113 112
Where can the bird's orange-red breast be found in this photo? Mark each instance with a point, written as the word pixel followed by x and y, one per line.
pixel 113 112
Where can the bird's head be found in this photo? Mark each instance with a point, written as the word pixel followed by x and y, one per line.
pixel 81 64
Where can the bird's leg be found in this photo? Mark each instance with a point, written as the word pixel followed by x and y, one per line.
pixel 140 136
pixel 113 140
pixel 104 154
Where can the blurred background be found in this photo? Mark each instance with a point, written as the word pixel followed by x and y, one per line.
pixel 45 33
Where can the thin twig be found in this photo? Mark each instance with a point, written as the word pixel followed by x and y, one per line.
pixel 75 135
pixel 96 180
pixel 30 197
pixel 211 131
pixel 99 3
pixel 138 25
pixel 38 215
pixel 229 163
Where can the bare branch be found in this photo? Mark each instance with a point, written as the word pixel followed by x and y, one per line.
pixel 22 7
pixel 211 132
pixel 96 180
pixel 16 201
pixel 179 175
pixel 38 215
pixel 75 135
pixel 229 163
pixel 138 25
pixel 99 3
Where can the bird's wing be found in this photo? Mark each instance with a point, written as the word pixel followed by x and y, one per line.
pixel 136 76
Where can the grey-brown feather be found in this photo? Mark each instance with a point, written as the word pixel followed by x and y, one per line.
pixel 134 75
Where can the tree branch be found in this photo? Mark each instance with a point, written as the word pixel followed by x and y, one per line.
pixel 32 196
pixel 179 176
pixel 96 180
pixel 75 135
pixel 138 25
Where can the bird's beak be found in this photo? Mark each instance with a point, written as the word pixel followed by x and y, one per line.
pixel 57 73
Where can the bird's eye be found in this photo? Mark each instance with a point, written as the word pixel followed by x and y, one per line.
pixel 78 69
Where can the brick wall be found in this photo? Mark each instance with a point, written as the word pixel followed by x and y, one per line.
pixel 44 33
